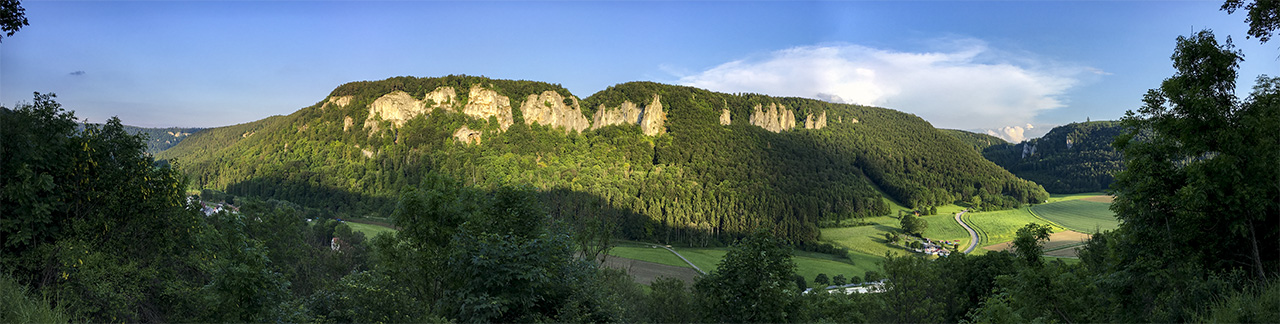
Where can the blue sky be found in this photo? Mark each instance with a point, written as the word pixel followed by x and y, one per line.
pixel 995 66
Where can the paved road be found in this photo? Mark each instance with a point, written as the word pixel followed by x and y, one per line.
pixel 973 236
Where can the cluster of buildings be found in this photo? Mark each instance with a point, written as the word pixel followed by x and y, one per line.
pixel 856 288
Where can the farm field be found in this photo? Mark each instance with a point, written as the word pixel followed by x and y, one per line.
pixel 808 264
pixel 369 230
pixel 1060 244
pixel 869 239
pixel 1079 215
pixel 647 253
pixel 1002 226
pixel 1075 196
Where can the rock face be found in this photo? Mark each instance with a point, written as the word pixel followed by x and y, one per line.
pixel 399 106
pixel 815 123
pixel 484 103
pixel 466 135
pixel 549 109
pixel 347 122
pixel 337 101
pixel 651 118
pixel 725 119
pixel 775 119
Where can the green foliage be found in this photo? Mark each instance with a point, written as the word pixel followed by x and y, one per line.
pixel 1260 304
pixel 22 306
pixel 1201 162
pixel 671 302
pixel 752 284
pixel 822 279
pixel 1029 243
pixel 911 224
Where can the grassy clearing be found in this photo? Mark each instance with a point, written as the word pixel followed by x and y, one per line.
pixel 369 230
pixel 1079 215
pixel 1002 226
pixel 647 253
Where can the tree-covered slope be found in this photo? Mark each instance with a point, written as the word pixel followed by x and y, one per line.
pixel 978 141
pixel 160 139
pixel 1071 158
pixel 683 167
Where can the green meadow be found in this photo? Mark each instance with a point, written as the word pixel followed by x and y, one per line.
pixel 1079 215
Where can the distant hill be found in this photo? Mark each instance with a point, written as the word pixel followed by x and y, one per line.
pixel 160 139
pixel 685 163
pixel 1071 158
pixel 978 141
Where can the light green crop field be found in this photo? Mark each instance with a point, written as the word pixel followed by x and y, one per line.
pixel 1064 197
pixel 369 230
pixel 1002 226
pixel 1079 215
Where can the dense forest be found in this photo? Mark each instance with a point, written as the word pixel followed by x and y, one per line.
pixel 698 177
pixel 159 139
pixel 1071 158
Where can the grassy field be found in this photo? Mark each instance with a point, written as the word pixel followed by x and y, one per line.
pixel 647 253
pixel 1079 215
pixel 369 230
pixel 1002 226
pixel 1064 197
pixel 808 264
pixel 869 239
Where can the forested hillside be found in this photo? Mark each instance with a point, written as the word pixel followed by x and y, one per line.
pixel 160 139
pixel 687 163
pixel 1076 157
pixel 979 142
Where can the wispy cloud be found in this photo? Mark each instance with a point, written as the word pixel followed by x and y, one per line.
pixel 969 86
pixel 76 73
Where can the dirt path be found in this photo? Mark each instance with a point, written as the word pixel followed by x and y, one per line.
pixel 973 236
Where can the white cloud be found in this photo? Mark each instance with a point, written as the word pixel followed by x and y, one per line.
pixel 968 87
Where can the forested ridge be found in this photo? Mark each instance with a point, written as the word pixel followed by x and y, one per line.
pixel 699 178
pixel 1072 158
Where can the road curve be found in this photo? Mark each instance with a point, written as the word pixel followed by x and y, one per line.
pixel 973 236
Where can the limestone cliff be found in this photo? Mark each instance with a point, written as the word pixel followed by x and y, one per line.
pixel 549 109
pixel 725 119
pixel 398 106
pixel 484 103
pixel 337 101
pixel 815 123
pixel 776 119
pixel 651 118
pixel 466 135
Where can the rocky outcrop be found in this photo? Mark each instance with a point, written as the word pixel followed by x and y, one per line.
pixel 549 109
pixel 651 118
pixel 815 123
pixel 655 119
pixel 775 119
pixel 466 135
pixel 347 122
pixel 398 106
pixel 725 119
pixel 340 101
pixel 484 103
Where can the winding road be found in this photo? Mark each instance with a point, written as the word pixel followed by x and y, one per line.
pixel 973 236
